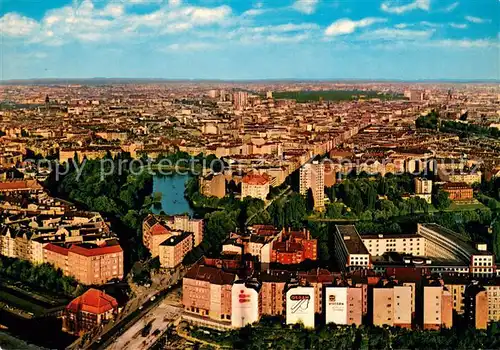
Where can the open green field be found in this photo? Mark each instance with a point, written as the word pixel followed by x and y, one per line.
pixel 456 206
pixel 335 95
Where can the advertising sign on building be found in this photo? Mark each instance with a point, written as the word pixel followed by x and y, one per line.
pixel 300 306
pixel 336 305
pixel 244 304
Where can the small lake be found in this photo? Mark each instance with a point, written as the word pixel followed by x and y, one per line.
pixel 172 187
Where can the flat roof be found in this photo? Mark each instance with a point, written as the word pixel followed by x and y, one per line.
pixel 389 235
pixel 352 239
pixel 453 236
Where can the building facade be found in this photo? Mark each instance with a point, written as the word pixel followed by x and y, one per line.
pixel 312 176
pixel 89 311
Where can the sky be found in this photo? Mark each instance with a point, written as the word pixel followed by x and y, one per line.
pixel 250 39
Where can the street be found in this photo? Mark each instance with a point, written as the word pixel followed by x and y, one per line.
pixel 160 317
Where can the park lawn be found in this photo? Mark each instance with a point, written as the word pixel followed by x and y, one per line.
pixel 457 206
pixel 334 95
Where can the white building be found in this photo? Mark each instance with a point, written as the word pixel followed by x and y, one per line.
pixel 300 306
pixel 350 251
pixel 245 303
pixel 312 176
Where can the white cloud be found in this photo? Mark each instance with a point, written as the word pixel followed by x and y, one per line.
pixel 253 12
pixel 15 25
pixel 113 10
pixel 190 46
pixel 399 9
pixel 307 7
pixel 477 20
pixel 287 38
pixel 401 25
pixel 142 2
pixel 451 7
pixel 174 3
pixel 430 24
pixel 396 34
pixel 84 22
pixel 466 43
pixel 348 26
pixel 257 10
pixel 459 25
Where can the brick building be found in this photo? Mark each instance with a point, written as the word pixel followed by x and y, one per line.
pixel 294 247
pixel 458 191
pixel 88 311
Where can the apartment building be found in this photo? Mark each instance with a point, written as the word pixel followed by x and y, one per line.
pixel 213 185
pixel 273 291
pixel 392 305
pixel 343 305
pixel 476 306
pixel 437 307
pixel 173 250
pixel 443 243
pixel 300 305
pixel 318 279
pixel 456 287
pixel 350 252
pixel 255 186
pixel 154 233
pixel 246 302
pixel 157 229
pixel 186 224
pixel 423 189
pixel 294 247
pixel 312 176
pixel 17 186
pixel 87 263
pixel 493 293
pixel 379 244
pixel 206 295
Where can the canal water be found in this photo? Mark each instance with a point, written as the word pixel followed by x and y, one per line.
pixel 172 188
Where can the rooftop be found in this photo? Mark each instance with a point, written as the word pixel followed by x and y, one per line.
pixel 352 240
pixel 93 301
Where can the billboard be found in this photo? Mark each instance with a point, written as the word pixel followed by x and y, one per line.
pixel 300 306
pixel 244 305
pixel 336 305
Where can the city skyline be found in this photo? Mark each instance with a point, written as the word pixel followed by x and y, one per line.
pixel 236 40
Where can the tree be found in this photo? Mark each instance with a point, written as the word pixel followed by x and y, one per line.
pixel 441 200
pixel 310 200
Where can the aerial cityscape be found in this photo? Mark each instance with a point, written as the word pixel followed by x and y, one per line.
pixel 209 174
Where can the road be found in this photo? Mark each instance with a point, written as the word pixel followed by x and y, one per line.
pixel 136 309
pixel 160 317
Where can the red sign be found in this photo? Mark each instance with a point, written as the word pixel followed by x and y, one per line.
pixel 244 298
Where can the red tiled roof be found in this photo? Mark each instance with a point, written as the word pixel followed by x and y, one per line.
pixel 256 179
pixel 56 249
pixel 95 251
pixel 159 229
pixel 210 274
pixel 19 185
pixel 93 301
pixel 455 186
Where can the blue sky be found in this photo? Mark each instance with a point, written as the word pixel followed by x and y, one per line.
pixel 250 39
